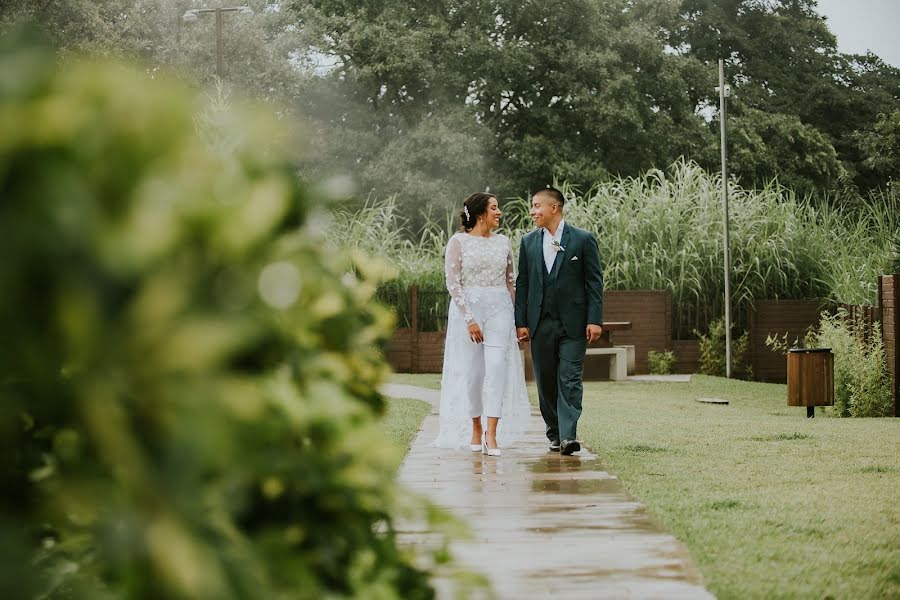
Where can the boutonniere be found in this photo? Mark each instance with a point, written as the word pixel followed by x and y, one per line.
pixel 557 247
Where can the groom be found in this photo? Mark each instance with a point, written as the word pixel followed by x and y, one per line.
pixel 559 307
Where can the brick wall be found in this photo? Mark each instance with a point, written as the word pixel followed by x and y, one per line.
pixel 889 299
pixel 777 317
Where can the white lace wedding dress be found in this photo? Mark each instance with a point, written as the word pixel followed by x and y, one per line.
pixel 479 273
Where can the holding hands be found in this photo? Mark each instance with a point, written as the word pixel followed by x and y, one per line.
pixel 592 333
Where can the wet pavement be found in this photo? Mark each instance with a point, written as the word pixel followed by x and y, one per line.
pixel 544 525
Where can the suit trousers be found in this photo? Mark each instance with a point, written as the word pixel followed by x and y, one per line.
pixel 487 366
pixel 558 371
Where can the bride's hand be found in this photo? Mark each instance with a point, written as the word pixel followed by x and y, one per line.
pixel 475 333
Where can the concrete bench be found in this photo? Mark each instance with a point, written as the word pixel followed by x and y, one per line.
pixel 630 349
pixel 618 361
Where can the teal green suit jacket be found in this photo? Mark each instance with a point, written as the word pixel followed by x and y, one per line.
pixel 578 276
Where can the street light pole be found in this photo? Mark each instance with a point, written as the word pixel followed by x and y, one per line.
pixel 724 92
pixel 220 46
pixel 194 13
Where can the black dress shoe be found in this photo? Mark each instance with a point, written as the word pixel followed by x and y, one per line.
pixel 554 446
pixel 567 447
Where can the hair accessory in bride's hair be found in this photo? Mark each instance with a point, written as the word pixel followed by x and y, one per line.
pixel 466 211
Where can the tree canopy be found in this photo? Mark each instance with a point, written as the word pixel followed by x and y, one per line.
pixel 431 99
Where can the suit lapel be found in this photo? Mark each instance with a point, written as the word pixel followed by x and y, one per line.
pixel 561 255
pixel 538 252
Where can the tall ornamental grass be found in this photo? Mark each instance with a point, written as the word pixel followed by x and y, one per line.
pixel 663 231
pixel 378 229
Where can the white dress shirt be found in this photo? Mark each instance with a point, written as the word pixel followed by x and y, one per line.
pixel 549 250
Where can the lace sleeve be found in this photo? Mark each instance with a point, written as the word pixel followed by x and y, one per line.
pixel 510 276
pixel 453 274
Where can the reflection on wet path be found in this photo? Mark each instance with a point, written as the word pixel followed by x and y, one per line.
pixel 547 526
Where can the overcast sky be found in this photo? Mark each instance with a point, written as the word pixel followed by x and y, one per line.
pixel 862 25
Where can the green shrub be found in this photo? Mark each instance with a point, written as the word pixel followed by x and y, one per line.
pixel 712 352
pixel 862 387
pixel 189 369
pixel 661 363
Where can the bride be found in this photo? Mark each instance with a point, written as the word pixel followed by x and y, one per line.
pixel 484 402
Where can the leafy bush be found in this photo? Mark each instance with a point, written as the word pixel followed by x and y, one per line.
pixel 712 352
pixel 862 387
pixel 661 363
pixel 189 370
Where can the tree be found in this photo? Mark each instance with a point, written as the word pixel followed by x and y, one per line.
pixel 768 146
pixel 574 89
pixel 782 59
pixel 881 145
pixel 260 50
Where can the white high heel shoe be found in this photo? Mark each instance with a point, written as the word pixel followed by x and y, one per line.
pixel 489 451
pixel 476 447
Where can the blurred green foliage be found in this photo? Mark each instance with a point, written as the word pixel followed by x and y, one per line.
pixel 188 376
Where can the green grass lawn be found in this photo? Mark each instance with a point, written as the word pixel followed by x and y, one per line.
pixel 771 504
pixel 402 420
pixel 431 381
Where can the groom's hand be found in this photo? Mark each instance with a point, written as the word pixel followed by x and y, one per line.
pixel 522 334
pixel 593 333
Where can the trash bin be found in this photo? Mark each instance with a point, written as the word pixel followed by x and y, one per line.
pixel 810 378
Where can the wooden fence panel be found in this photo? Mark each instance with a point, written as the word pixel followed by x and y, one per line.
pixel 778 317
pixel 864 316
pixel 650 314
pixel 418 350
pixel 687 356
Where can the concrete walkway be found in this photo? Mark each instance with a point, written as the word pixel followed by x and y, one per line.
pixel 544 525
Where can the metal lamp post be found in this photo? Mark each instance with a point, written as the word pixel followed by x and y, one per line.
pixel 724 92
pixel 193 14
